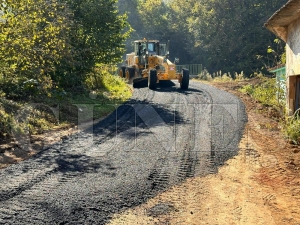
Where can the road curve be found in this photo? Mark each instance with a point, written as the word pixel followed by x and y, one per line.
pixel 155 140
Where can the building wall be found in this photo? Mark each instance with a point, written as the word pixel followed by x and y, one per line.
pixel 293 49
pixel 292 64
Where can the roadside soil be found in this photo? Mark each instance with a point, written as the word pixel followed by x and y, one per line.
pixel 261 185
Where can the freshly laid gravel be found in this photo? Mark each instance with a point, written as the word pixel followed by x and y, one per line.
pixel 155 140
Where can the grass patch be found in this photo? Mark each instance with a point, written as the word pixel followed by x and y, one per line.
pixel 103 83
pixel 266 91
pixel 292 128
pixel 269 93
pixel 221 77
pixel 102 94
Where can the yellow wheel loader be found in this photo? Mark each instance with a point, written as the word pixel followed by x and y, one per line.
pixel 149 64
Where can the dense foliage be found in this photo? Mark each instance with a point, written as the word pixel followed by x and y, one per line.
pixel 225 35
pixel 50 53
pixel 56 43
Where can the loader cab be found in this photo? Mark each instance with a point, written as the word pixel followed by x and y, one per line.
pixel 145 47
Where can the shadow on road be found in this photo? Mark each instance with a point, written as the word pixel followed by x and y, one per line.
pixel 137 114
pixel 169 86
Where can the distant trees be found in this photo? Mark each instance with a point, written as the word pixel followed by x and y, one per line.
pixel 232 33
pixel 58 42
pixel 221 34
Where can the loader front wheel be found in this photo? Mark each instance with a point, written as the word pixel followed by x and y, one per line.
pixel 185 79
pixel 152 79
pixel 122 71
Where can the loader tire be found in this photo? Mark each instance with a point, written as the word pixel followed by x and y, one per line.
pixel 152 79
pixel 129 74
pixel 185 79
pixel 122 71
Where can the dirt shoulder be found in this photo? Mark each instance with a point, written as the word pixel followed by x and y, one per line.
pixel 11 153
pixel 261 185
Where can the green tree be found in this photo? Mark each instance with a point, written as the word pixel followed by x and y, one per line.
pixel 58 41
pixel 156 19
pixel 154 15
pixel 97 35
pixel 228 34
pixel 32 40
pixel 130 8
pixel 221 34
pixel 180 14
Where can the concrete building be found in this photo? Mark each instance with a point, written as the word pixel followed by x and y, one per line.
pixel 285 23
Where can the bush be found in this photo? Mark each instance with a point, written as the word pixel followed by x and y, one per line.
pixel 6 122
pixel 247 89
pixel 226 77
pixel 266 91
pixel 17 118
pixel 104 83
pixel 292 128
pixel 204 75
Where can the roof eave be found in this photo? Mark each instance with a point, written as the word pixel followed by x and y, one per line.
pixel 278 23
pixel 279 31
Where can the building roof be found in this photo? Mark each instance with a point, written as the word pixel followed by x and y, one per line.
pixel 282 18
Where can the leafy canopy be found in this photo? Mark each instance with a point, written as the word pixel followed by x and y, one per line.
pixel 57 41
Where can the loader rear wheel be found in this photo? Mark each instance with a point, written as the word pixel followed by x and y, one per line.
pixel 129 74
pixel 122 71
pixel 185 79
pixel 152 79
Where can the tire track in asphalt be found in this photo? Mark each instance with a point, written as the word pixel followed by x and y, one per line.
pixel 63 178
pixel 191 160
pixel 179 163
pixel 119 163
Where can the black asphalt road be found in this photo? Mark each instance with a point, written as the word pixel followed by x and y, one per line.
pixel 155 140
